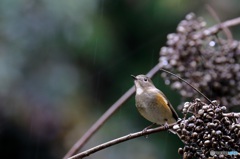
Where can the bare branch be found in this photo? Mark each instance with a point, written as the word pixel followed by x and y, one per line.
pixel 187 84
pixel 214 29
pixel 80 143
pixel 216 17
pixel 119 140
pixel 235 115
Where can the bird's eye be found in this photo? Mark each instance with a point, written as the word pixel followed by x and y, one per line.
pixel 145 79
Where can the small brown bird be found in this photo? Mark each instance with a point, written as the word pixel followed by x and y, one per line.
pixel 151 103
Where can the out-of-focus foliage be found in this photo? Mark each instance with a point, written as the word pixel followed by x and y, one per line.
pixel 62 63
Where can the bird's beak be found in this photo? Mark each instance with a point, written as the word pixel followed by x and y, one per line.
pixel 134 77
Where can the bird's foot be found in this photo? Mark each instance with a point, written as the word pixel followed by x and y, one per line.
pixel 148 127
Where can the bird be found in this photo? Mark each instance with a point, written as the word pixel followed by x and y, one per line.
pixel 152 104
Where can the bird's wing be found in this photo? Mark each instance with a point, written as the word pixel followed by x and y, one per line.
pixel 174 113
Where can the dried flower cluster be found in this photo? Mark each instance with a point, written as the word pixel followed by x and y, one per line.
pixel 211 64
pixel 208 132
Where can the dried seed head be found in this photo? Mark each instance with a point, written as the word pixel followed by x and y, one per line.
pixel 202 61
pixel 207 128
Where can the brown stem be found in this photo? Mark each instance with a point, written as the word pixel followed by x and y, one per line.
pixel 214 29
pixel 119 140
pixel 187 84
pixel 80 143
pixel 216 17
pixel 235 115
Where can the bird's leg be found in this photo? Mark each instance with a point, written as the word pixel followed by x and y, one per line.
pixel 148 127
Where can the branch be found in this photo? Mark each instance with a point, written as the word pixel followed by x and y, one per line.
pixel 215 16
pixel 187 84
pixel 80 143
pixel 119 140
pixel 235 115
pixel 214 29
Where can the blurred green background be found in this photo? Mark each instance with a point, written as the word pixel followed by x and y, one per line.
pixel 64 62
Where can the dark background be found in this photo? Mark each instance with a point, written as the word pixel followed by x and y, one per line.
pixel 64 62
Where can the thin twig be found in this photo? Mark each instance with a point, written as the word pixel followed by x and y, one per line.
pixel 216 17
pixel 214 29
pixel 187 84
pixel 235 115
pixel 80 143
pixel 119 140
